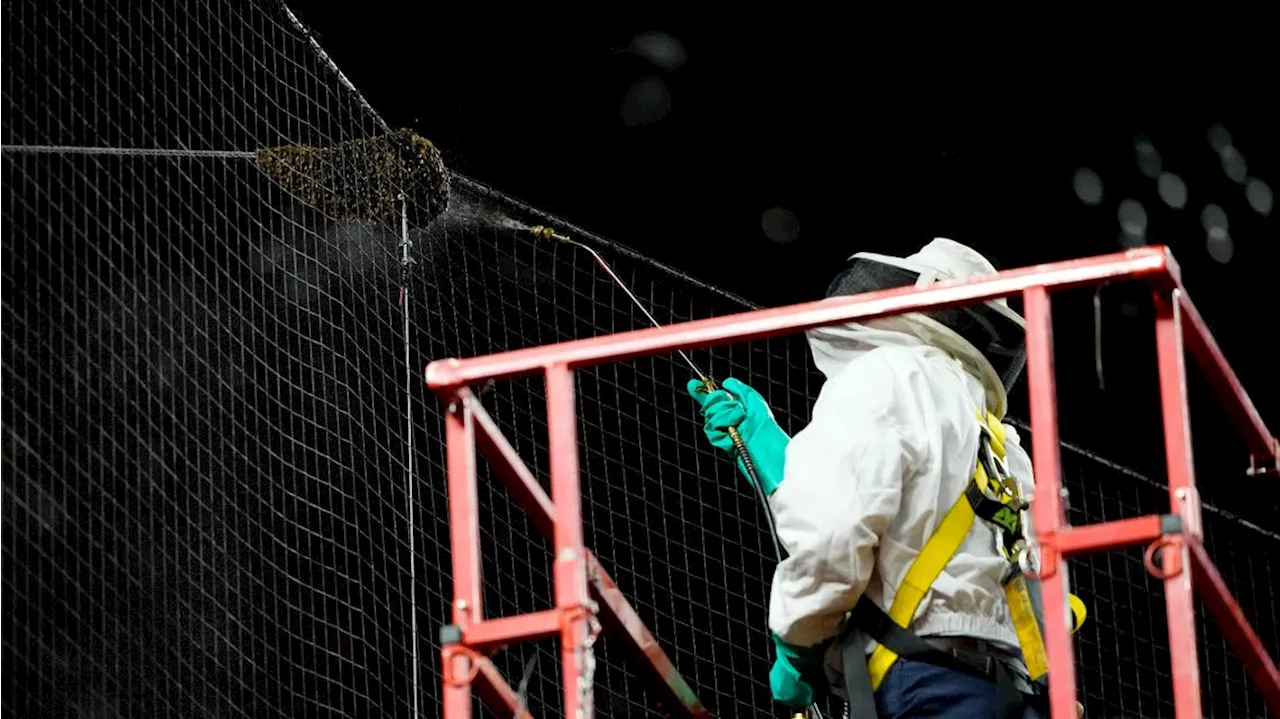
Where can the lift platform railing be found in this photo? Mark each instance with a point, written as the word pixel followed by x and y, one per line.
pixel 584 593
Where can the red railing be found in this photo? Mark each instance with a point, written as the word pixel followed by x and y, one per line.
pixel 584 592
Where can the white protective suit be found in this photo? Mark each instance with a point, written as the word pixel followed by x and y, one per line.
pixel 891 446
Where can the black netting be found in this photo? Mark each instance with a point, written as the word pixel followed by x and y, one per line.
pixel 205 443
pixel 224 490
pixel 1123 653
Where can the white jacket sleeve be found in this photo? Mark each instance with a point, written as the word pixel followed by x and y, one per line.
pixel 841 490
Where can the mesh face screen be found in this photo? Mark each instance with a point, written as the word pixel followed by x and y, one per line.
pixel 1000 340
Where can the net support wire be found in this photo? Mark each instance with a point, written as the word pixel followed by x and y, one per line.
pixel 403 172
pixel 128 151
pixel 406 267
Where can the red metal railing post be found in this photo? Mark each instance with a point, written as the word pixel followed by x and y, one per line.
pixel 577 611
pixel 615 612
pixel 1235 626
pixel 457 661
pixel 1184 501
pixel 1239 407
pixel 1049 518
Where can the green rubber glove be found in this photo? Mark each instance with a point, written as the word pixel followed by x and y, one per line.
pixel 737 405
pixel 787 678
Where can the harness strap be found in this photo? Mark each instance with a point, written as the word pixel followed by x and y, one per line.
pixel 906 644
pixel 941 546
pixel 857 678
pixel 872 621
pixel 924 571
pixel 989 497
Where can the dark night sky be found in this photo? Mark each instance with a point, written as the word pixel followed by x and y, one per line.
pixel 675 137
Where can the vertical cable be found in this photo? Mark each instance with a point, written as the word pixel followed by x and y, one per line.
pixel 406 261
pixel 1097 336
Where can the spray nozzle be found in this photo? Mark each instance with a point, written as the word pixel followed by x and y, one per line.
pixel 547 233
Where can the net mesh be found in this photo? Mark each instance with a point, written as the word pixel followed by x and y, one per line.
pixel 206 474
pixel 224 482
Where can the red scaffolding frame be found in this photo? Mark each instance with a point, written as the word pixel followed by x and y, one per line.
pixel 583 591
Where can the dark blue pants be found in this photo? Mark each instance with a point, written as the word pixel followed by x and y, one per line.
pixel 915 690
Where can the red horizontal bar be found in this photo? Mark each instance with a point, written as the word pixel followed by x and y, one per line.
pixel 497 693
pixel 493 633
pixel 1204 348
pixel 618 614
pixel 1108 535
pixel 1146 262
pixel 1234 625
pixel 512 471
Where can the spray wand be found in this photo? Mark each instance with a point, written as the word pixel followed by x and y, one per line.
pixel 547 233
pixel 739 445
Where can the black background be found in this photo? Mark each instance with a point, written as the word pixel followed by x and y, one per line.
pixel 877 135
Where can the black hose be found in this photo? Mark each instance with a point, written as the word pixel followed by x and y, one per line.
pixel 749 464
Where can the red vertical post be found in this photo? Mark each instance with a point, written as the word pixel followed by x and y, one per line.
pixel 457 662
pixel 570 572
pixel 1049 518
pixel 1184 501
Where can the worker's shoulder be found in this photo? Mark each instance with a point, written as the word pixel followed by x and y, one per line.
pixel 898 362
pixel 884 369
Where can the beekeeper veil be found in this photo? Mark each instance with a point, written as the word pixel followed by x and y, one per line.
pixel 987 338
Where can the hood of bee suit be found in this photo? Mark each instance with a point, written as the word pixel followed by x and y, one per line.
pixel 986 338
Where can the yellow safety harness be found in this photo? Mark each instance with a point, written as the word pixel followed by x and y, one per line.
pixel 995 497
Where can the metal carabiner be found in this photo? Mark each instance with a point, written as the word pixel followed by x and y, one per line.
pixel 1029 560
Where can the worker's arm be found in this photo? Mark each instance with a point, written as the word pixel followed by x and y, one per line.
pixel 740 407
pixel 841 489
